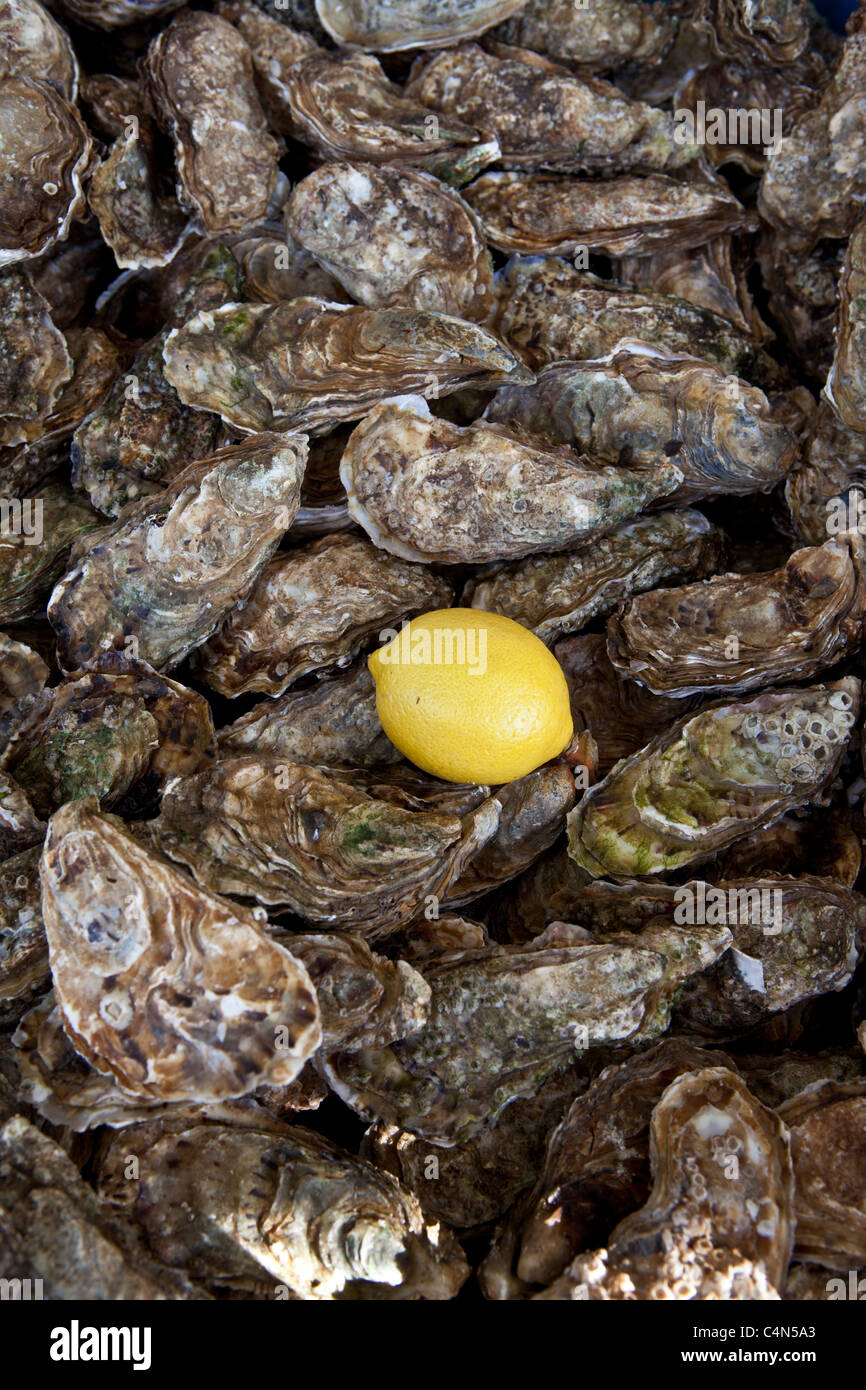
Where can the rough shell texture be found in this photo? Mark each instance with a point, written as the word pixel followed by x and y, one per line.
pixel 313 608
pixel 34 361
pixel 557 594
pixel 141 225
pixel 158 581
pixel 598 37
pixel 846 383
pixel 827 1121
pixel 45 150
pixel 394 237
pixel 23 949
pixel 503 1018
pixel 308 364
pixel 175 993
pixel 428 490
pixel 34 547
pixel 711 778
pixel 33 44
pixel 280 1209
pixel 301 837
pixel 386 27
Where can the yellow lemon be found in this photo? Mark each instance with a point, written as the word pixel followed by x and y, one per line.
pixel 471 696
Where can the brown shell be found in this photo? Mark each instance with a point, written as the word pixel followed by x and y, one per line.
pixel 599 37
pixel 174 992
pixel 846 383
pixel 45 151
pixel 428 490
pixel 828 1144
pixel 313 608
pixel 710 277
pixel 24 971
pixel 35 363
pixel 200 73
pixel 34 553
pixel 308 364
pixel 141 225
pixel 394 237
pixel 32 44
pixel 386 27
pixel 628 215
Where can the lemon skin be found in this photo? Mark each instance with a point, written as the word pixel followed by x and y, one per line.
pixel 494 716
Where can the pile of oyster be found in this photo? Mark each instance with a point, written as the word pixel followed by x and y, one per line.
pixel 319 317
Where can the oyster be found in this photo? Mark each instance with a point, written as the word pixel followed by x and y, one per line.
pixel 346 108
pixel 331 722
pixel 777 1077
pixel 23 948
pixel 504 1018
pixel 793 939
pixel 814 185
pixel 45 151
pixel 638 406
pixel 424 489
pixel 200 74
pixel 825 493
pixel 394 237
pixel 140 224
pixel 103 729
pixel 621 715
pixel 385 26
pixel 174 992
pixel 548 311
pixel 707 276
pixel 23 673
pixel 35 363
pixel 543 116
pixel 742 632
pixel 159 580
pixel 34 546
pixel 826 844
pixel 32 44
pixel 803 293
pixel 113 14
pixel 596 1170
pixel 143 435
pixel 279 1207
pixel 54 1230
pixel 309 364
pixel 629 215
pixel 556 594
pixel 365 1000
pixel 827 1121
pixel 301 837
pixel 599 37
pixel 20 827
pixel 768 31
pixel 312 608
pixel 719 1222
pixel 846 383
pixel 711 778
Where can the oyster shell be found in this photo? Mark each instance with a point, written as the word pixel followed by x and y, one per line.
pixel 504 1018
pixel 826 845
pixel 827 1122
pixel 200 75
pixel 823 494
pixel 165 574
pixel 805 945
pixel 846 383
pixel 35 363
pixel 387 27
pixel 346 108
pixel 708 276
pixel 53 1229
pixel 543 116
pixel 365 1000
pixel 628 215
pixel 309 364
pixel 24 968
pixel 621 715
pixel 547 311
pixel 745 631
pixel 596 1170
pixel 803 292
pixel 424 489
pixel 175 993
pixel 20 827
pixel 777 1077
pixel 332 722
pixel 103 729
pixel 599 37
pixel 556 594
pixel 45 151
pixel 701 1234
pixel 815 182
pixel 34 547
pixel 143 435
pixel 637 407
pixel 767 31
pixel 312 608
pixel 114 14
pixel 305 838
pixel 714 776
pixel 142 227
pixel 32 44
pixel 23 673
pixel 279 1207
pixel 394 237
